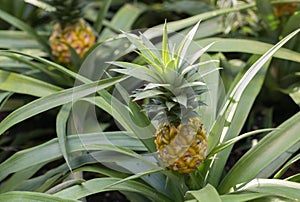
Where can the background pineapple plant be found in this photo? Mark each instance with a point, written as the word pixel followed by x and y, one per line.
pixel 173 90
pixel 70 30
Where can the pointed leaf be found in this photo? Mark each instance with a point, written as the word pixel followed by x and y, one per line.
pixel 19 83
pixel 61 130
pixel 50 151
pixel 94 186
pixel 269 148
pixel 286 166
pixel 25 27
pixel 183 48
pixel 56 99
pixel 208 193
pixel 23 196
pixel 135 70
pixel 275 187
pixel 166 56
pixel 238 138
pixel 147 94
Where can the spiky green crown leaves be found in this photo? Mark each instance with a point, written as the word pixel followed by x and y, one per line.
pixel 174 84
pixel 63 11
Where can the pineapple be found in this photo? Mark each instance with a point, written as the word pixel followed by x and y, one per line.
pixel 172 90
pixel 286 9
pixel 70 30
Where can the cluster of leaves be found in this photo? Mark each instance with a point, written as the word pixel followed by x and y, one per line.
pixel 55 102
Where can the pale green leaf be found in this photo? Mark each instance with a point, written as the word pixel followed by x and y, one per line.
pixel 136 71
pixel 123 20
pixel 60 68
pixel 25 27
pixel 275 187
pixel 50 150
pixel 286 166
pixel 166 55
pixel 247 46
pixel 147 94
pixel 238 138
pixel 101 15
pixel 22 196
pixel 61 130
pixel 265 152
pixel 242 197
pixel 56 99
pixel 96 186
pixel 229 114
pixel 183 47
pixel 208 193
pixel 23 84
pixel 12 39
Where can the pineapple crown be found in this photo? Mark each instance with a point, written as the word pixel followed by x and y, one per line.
pixel 174 84
pixel 63 11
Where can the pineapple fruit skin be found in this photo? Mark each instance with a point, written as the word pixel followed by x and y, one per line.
pixel 79 36
pixel 182 148
pixel 285 9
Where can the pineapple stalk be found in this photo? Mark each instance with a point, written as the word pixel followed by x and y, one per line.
pixel 173 90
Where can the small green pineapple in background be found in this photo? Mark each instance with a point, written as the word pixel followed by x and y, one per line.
pixel 69 28
pixel 173 90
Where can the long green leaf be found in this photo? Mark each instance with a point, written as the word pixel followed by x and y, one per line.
pixel 275 187
pixel 4 96
pixel 45 103
pixel 208 193
pixel 58 67
pixel 96 186
pixel 26 64
pixel 50 150
pixel 247 46
pixel 236 139
pixel 166 55
pixel 25 27
pixel 135 176
pixel 234 126
pixel 121 113
pixel 122 20
pixel 184 23
pixel 101 15
pixel 61 130
pixel 23 196
pixel 77 163
pixel 16 179
pixel 267 150
pixel 286 166
pixel 12 39
pixel 242 197
pixel 229 110
pixel 19 83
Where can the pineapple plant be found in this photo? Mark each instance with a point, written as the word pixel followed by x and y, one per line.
pixel 172 95
pixel 70 30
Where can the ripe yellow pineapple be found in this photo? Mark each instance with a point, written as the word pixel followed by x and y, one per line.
pixel 70 30
pixel 181 148
pixel 173 90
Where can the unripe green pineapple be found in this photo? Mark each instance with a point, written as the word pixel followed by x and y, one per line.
pixel 70 29
pixel 173 90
